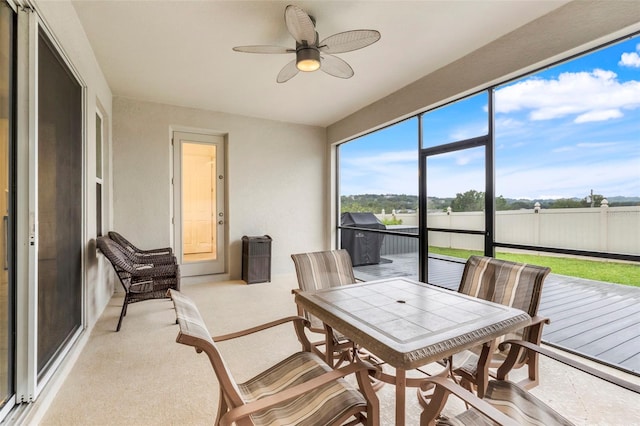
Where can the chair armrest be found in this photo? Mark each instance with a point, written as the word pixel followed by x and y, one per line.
pixel 157 259
pixel 539 320
pixel 155 270
pixel 517 344
pixel 537 323
pixel 443 388
pixel 242 411
pixel 299 324
pixel 157 251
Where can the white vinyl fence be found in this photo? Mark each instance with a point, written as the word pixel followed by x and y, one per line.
pixel 602 229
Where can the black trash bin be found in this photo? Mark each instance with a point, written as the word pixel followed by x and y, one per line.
pixel 363 247
pixel 256 259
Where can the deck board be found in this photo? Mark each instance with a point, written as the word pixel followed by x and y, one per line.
pixel 595 319
pixel 595 327
pixel 552 305
pixel 624 352
pixel 582 315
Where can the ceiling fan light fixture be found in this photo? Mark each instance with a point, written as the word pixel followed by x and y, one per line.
pixel 302 28
pixel 308 59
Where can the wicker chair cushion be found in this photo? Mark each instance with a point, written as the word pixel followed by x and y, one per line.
pixel 513 401
pixel 322 406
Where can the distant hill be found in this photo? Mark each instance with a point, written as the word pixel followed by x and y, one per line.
pixel 403 203
pixel 629 201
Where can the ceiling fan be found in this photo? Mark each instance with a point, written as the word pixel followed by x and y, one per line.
pixel 312 54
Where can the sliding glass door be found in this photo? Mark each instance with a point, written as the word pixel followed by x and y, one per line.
pixel 7 51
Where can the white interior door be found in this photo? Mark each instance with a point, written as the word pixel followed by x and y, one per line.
pixel 199 216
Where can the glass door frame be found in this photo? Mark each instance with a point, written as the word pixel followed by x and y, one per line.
pixel 10 221
pixel 206 267
pixel 485 141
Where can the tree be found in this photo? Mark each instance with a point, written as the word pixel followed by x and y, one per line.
pixel 567 203
pixel 596 198
pixel 520 204
pixel 470 201
pixel 501 204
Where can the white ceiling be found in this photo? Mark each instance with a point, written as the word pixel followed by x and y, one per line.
pixel 180 52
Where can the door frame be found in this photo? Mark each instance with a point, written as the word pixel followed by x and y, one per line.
pixel 206 267
pixel 488 234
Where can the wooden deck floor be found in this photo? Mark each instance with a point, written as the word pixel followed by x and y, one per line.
pixel 598 320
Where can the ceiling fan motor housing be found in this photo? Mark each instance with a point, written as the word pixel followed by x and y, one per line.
pixel 307 58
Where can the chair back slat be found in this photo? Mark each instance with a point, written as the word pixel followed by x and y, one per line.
pixel 118 238
pixel 323 269
pixel 194 332
pixel 514 284
pixel 128 245
pixel 122 265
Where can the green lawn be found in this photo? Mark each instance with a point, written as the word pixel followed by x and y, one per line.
pixel 609 271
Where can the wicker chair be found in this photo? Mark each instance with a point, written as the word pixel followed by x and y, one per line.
pixel 513 284
pixel 163 256
pixel 319 270
pixel 118 238
pixel 506 403
pixel 300 390
pixel 141 281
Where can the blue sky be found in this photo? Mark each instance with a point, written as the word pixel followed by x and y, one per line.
pixel 559 133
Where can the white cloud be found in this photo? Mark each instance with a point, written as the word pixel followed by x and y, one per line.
pixel 469 131
pixel 602 115
pixel 630 59
pixel 608 178
pixel 589 96
pixel 383 173
pixel 508 123
pixel 596 144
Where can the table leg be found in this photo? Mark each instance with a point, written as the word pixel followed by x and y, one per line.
pixel 329 345
pixel 401 395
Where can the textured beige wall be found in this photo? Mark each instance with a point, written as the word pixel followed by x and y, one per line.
pixel 275 178
pixel 570 29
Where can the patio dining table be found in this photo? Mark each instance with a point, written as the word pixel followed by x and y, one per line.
pixel 409 324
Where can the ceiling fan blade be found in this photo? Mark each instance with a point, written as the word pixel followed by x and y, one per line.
pixel 300 25
pixel 263 49
pixel 348 41
pixel 288 72
pixel 335 66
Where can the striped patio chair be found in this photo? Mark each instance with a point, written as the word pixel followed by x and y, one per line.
pixel 506 403
pixel 509 283
pixel 512 284
pixel 320 270
pixel 300 390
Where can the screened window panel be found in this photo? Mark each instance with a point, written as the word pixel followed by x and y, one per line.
pixel 59 204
